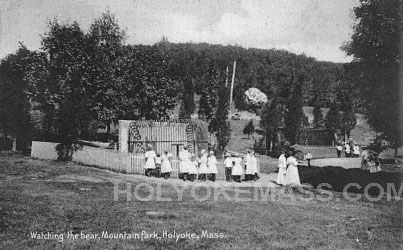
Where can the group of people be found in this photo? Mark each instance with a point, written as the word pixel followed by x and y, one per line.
pixel 202 168
pixel 288 170
pixel 350 149
pixel 157 165
pixel 370 161
pixel 234 167
pixel 190 166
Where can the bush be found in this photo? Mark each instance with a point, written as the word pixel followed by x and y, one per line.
pixel 6 143
pixel 249 129
pixel 66 150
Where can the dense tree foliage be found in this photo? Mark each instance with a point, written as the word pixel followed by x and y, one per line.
pixel 208 90
pixel 272 120
pixel 79 77
pixel 294 115
pixel 220 124
pixel 333 121
pixel 14 103
pixel 264 69
pixel 375 46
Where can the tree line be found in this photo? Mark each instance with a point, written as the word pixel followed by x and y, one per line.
pixel 78 78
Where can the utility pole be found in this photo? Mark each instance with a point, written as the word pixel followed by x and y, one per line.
pixel 232 88
pixel 226 77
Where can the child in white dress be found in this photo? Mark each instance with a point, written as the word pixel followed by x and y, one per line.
pixel 212 166
pixel 150 156
pixel 166 167
pixel 203 170
pixel 237 170
pixel 193 168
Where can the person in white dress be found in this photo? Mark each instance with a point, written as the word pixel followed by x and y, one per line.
pixel 282 169
pixel 149 156
pixel 158 162
pixel 249 171
pixel 339 148
pixel 364 159
pixel 185 161
pixel 237 170
pixel 255 166
pixel 348 150
pixel 166 167
pixel 203 166
pixel 292 176
pixel 193 168
pixel 212 166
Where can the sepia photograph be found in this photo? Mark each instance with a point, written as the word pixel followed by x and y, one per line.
pixel 201 124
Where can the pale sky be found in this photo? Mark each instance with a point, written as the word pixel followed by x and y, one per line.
pixel 315 27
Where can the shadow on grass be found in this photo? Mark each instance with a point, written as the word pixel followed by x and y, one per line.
pixel 356 180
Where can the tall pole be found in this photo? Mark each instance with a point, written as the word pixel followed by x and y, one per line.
pixel 232 88
pixel 226 77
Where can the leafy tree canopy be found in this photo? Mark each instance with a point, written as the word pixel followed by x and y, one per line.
pixel 375 46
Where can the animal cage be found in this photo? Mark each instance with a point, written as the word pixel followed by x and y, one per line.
pixel 171 136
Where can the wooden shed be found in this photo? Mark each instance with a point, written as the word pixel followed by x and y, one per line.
pixel 170 135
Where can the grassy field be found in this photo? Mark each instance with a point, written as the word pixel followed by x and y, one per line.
pixel 46 196
pixel 239 142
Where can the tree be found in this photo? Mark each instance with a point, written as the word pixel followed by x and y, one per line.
pixel 346 94
pixel 317 116
pixel 62 91
pixel 65 46
pixel 375 46
pixel 146 91
pixel 208 93
pixel 271 120
pixel 348 122
pixel 220 124
pixel 105 67
pixel 249 128
pixel 181 68
pixel 333 121
pixel 187 104
pixel 15 105
pixel 295 114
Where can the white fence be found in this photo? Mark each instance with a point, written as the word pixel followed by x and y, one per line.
pixel 44 150
pixel 103 158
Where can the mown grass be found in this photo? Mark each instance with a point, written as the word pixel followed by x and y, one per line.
pixel 47 196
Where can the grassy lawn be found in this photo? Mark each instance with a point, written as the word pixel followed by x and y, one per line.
pixel 47 196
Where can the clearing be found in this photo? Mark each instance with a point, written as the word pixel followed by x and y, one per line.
pixel 65 198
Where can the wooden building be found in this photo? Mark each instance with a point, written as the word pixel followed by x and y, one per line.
pixel 170 135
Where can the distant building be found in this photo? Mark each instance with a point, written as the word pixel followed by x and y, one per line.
pixel 309 135
pixel 308 112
